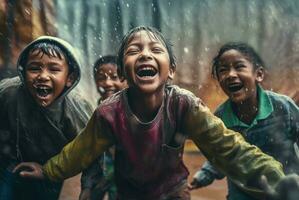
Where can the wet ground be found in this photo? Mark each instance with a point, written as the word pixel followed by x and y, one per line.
pixel 193 161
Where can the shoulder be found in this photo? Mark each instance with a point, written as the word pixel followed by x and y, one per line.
pixel 10 84
pixel 175 92
pixel 221 109
pixel 182 99
pixel 108 105
pixel 78 102
pixel 280 101
pixel 113 98
pixel 9 88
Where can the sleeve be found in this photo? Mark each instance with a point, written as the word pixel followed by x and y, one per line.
pixel 93 174
pixel 81 152
pixel 208 170
pixel 227 150
pixel 206 175
pixel 294 123
pixel 294 119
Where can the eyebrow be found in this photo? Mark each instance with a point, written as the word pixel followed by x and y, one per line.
pixel 38 63
pixel 139 43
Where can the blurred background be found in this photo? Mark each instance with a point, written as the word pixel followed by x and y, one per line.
pixel 196 28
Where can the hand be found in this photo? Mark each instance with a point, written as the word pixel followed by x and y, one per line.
pixel 85 194
pixel 200 179
pixel 29 170
pixel 287 188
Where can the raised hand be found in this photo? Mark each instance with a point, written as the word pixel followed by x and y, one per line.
pixel 201 179
pixel 29 170
pixel 286 189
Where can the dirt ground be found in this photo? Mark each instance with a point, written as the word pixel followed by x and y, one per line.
pixel 193 161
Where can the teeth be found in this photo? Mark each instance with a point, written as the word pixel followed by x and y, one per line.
pixel 146 68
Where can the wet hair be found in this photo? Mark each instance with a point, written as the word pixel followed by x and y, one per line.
pixel 50 50
pixel 152 32
pixel 244 49
pixel 109 59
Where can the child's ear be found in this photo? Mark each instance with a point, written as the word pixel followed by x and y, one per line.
pixel 171 72
pixel 70 80
pixel 260 73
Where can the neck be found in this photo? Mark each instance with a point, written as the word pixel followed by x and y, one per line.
pixel 145 106
pixel 247 110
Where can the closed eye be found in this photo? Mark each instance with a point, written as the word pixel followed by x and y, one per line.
pixel 157 50
pixel 221 69
pixel 55 68
pixel 132 51
pixel 33 68
pixel 240 67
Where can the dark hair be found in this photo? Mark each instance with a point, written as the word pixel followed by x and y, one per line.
pixel 157 35
pixel 49 49
pixel 244 49
pixel 109 59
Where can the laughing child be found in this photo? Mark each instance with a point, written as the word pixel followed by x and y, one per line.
pixel 108 81
pixel 39 115
pixel 264 118
pixel 148 123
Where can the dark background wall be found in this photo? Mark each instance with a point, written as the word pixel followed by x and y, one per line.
pixel 197 28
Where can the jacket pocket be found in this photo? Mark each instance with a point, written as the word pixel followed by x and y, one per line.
pixel 172 155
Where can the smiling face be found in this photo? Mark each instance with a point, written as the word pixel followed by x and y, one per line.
pixel 46 77
pixel 146 62
pixel 238 77
pixel 107 80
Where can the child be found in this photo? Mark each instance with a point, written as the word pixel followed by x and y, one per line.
pixel 148 123
pixel 39 115
pixel 108 81
pixel 265 119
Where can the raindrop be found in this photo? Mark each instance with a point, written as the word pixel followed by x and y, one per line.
pixel 186 50
pixel 27 11
pixel 127 5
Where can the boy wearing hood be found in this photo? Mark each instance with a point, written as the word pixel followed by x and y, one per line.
pixel 39 115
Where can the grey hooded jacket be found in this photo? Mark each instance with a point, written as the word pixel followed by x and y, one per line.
pixel 29 132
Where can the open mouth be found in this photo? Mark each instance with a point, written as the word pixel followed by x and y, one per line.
pixel 43 91
pixel 234 87
pixel 146 71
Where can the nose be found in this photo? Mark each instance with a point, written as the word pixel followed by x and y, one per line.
pixel 232 73
pixel 146 54
pixel 108 82
pixel 43 75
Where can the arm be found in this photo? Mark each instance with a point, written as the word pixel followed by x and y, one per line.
pixel 243 163
pixel 90 177
pixel 81 152
pixel 205 176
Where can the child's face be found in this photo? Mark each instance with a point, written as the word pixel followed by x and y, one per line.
pixel 146 63
pixel 237 76
pixel 107 80
pixel 46 77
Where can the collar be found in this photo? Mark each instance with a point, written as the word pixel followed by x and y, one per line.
pixel 265 107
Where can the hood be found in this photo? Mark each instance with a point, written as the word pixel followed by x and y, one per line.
pixel 68 50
